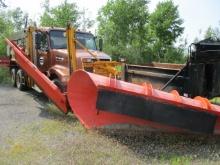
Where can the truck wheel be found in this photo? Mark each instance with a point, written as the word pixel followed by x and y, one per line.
pixel 20 80
pixel 13 77
pixel 59 84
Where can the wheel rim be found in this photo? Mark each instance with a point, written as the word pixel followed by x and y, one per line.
pixel 13 75
pixel 18 80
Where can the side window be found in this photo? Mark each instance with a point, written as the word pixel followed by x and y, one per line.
pixel 41 41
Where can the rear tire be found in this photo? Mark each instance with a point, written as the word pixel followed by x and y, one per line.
pixel 13 76
pixel 20 80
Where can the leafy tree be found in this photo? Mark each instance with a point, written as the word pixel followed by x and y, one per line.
pixel 123 27
pixel 2 3
pixel 10 21
pixel 6 28
pixel 177 54
pixel 18 17
pixel 59 16
pixel 46 19
pixel 139 36
pixel 165 26
pixel 85 22
pixel 212 33
pixel 65 13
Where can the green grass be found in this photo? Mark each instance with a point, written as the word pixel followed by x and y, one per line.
pixel 176 159
pixel 61 139
pixel 4 76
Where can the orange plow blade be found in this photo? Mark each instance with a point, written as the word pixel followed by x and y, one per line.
pixel 99 101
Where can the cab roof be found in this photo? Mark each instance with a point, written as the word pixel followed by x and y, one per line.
pixel 48 29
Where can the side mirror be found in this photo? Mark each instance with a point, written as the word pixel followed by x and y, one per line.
pixel 100 44
pixel 37 40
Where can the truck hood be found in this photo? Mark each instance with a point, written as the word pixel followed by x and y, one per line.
pixel 83 54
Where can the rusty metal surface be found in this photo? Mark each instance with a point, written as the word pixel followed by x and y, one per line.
pixel 157 76
pixel 165 70
pixel 166 65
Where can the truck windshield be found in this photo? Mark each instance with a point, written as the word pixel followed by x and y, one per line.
pixel 58 40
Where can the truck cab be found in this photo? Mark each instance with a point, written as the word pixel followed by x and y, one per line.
pixel 47 48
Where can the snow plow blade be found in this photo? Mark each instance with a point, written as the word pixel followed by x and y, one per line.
pixel 99 101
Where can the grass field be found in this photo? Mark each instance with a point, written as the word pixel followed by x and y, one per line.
pixel 4 76
pixel 61 139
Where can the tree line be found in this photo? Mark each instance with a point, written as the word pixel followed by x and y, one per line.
pixel 130 30
pixel 127 27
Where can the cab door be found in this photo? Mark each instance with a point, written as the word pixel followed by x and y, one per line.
pixel 42 51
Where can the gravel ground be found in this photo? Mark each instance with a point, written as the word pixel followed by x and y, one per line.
pixel 19 110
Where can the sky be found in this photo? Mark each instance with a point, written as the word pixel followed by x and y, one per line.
pixel 198 15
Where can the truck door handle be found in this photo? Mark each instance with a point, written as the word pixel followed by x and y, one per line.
pixel 59 58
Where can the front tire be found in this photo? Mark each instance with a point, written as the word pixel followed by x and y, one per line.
pixel 59 85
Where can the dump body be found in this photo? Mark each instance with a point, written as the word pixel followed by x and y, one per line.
pixel 198 77
pixel 158 74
